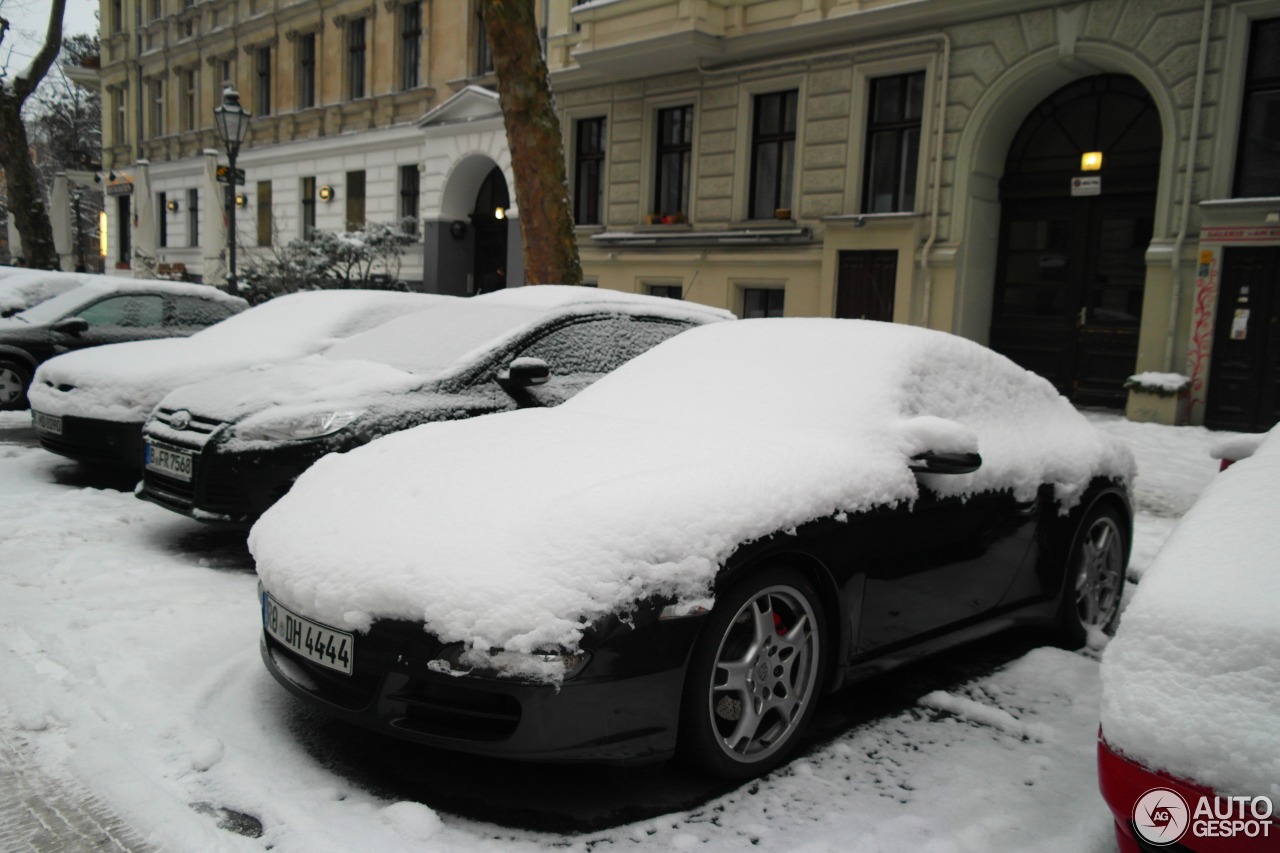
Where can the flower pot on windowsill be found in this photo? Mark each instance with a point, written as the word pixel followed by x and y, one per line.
pixel 123 265
pixel 782 213
pixel 673 219
pixel 653 219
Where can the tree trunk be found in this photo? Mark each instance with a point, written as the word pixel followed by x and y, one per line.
pixel 26 202
pixel 533 135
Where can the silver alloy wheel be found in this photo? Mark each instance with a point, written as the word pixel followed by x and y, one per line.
pixel 11 386
pixel 1100 574
pixel 765 674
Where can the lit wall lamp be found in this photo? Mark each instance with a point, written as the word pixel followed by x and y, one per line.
pixel 499 213
pixel 242 200
pixel 172 204
pixel 1091 161
pixel 327 193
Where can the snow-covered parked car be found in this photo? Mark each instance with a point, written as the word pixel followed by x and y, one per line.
pixel 1189 747
pixel 91 406
pixel 684 556
pixel 22 288
pixel 225 449
pixel 104 311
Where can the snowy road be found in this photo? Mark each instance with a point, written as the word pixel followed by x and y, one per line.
pixel 130 679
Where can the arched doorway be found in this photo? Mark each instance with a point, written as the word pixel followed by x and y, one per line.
pixel 1071 261
pixel 489 219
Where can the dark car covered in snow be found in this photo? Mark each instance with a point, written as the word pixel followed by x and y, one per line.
pixel 107 311
pixel 223 450
pixel 685 556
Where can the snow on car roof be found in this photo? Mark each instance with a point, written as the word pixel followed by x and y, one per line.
pixel 122 382
pixel 23 288
pixel 513 530
pixel 456 337
pixel 1191 682
pixel 52 309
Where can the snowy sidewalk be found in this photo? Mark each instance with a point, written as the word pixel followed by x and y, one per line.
pixel 38 813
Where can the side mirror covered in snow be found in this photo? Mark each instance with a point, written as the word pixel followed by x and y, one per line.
pixel 72 326
pixel 524 373
pixel 931 462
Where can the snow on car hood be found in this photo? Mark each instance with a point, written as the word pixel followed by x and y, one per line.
pixel 123 382
pixel 311 383
pixel 515 530
pixel 1191 682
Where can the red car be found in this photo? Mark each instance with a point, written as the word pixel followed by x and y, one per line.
pixel 1189 747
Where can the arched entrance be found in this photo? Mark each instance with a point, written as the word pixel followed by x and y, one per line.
pixel 1071 261
pixel 489 219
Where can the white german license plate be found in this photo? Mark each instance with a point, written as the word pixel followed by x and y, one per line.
pixel 169 460
pixel 312 640
pixel 51 424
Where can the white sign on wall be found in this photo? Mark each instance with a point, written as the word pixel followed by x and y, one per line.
pixel 1086 185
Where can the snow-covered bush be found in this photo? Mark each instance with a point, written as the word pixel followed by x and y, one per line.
pixel 368 257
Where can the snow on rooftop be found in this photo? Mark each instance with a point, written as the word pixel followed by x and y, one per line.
pixel 20 289
pixel 1191 682
pixel 123 382
pixel 513 530
pixel 99 286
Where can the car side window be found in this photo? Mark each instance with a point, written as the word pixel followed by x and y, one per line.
pixel 137 311
pixel 194 312
pixel 601 345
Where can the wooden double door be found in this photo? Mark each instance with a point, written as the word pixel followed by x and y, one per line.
pixel 1069 291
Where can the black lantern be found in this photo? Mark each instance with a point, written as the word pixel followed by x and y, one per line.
pixel 233 123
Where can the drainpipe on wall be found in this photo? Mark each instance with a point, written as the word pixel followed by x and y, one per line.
pixel 940 131
pixel 1175 297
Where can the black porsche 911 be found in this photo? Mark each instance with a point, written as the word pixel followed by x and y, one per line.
pixel 684 557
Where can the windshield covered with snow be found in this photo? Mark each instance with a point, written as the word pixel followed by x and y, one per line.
pixel 436 341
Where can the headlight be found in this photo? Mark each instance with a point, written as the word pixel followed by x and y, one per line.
pixel 552 666
pixel 296 427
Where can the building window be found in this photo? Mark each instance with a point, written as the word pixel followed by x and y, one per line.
pixel 157 9
pixel 265 226
pixel 162 219
pixel 355 200
pixel 893 143
pixel 588 171
pixel 224 73
pixel 262 81
pixel 773 153
pixel 1258 161
pixel 675 150
pixel 409 188
pixel 669 291
pixel 117 16
pixel 189 99
pixel 308 207
pixel 157 109
pixel 193 217
pixel 119 127
pixel 484 56
pixel 355 59
pixel 307 71
pixel 762 302
pixel 410 45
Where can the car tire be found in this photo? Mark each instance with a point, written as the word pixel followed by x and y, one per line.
pixel 754 676
pixel 1095 577
pixel 14 379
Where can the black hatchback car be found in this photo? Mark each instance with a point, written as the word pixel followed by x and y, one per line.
pixel 685 556
pixel 223 450
pixel 103 312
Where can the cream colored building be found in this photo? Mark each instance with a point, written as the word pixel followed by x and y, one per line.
pixel 363 110
pixel 923 162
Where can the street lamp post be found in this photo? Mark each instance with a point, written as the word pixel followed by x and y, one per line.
pixel 233 122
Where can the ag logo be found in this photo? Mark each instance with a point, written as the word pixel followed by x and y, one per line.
pixel 1161 816
pixel 180 419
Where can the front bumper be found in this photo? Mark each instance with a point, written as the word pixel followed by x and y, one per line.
pixel 96 441
pixel 230 489
pixel 623 707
